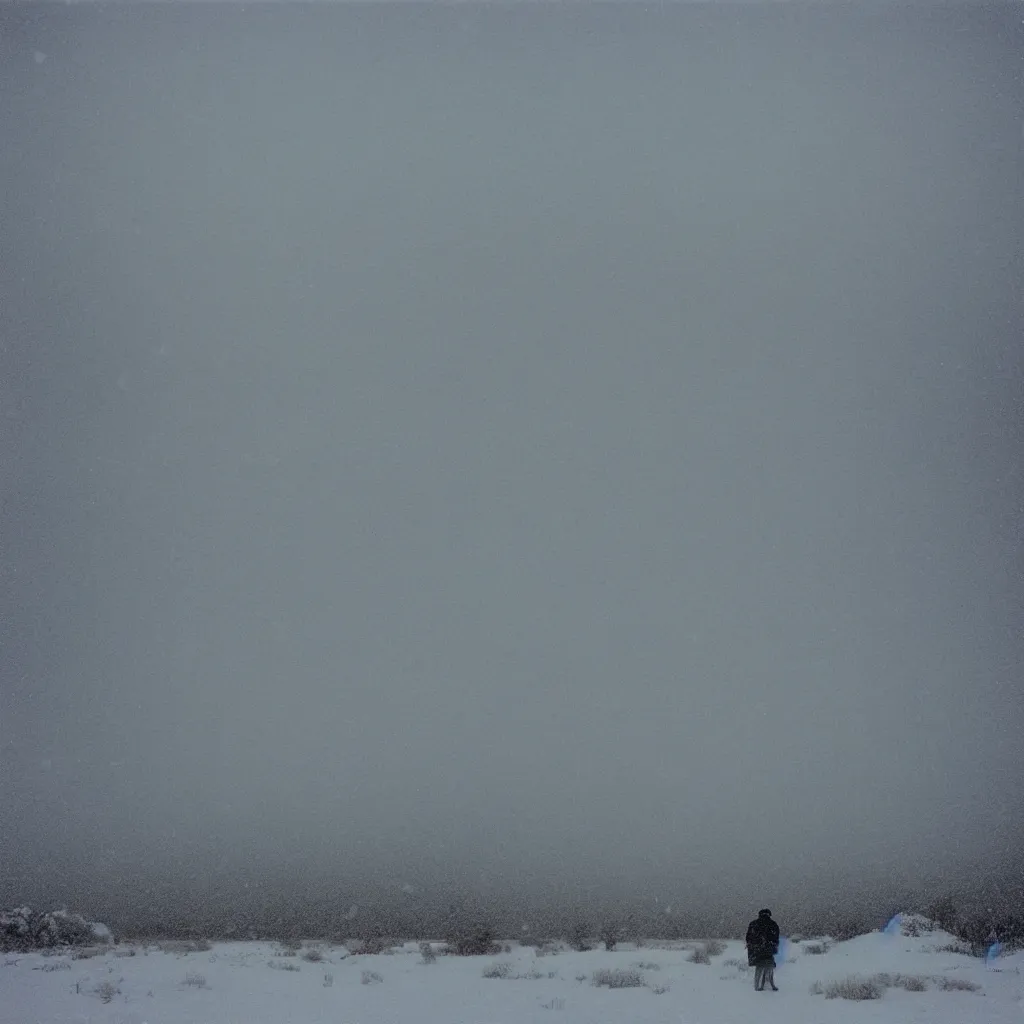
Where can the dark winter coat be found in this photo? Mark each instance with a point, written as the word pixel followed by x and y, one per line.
pixel 762 939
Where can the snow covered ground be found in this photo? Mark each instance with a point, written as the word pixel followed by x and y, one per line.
pixel 245 983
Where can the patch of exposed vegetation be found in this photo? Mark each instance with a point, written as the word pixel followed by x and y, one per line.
pixel 497 971
pixel 106 990
pixel 957 985
pixel 617 978
pixel 854 988
pixel 24 929
pixel 476 940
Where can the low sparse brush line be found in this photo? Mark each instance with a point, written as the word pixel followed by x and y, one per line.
pixel 619 978
pixel 859 988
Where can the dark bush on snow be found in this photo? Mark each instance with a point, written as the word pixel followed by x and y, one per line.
pixel 579 937
pixel 980 931
pixel 477 940
pixel 24 929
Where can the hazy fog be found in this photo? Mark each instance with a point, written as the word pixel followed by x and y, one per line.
pixel 499 447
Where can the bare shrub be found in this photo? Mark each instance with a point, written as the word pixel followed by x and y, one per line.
pixel 579 937
pixel 328 980
pixel 60 965
pixel 581 977
pixel 659 990
pixel 373 945
pixel 547 948
pixel 714 947
pixel 427 954
pixel 647 965
pixel 740 965
pixel 477 940
pixel 957 985
pixel 608 978
pixel 23 929
pixel 533 975
pixel 699 956
pixel 913 926
pixel 283 967
pixel 960 948
pixel 857 989
pixel 816 948
pixel 194 980
pixel 910 982
pixel 59 928
pixel 313 955
pixel 558 1003
pixel 977 931
pixel 497 971
pixel 106 990
pixel 943 912
pixel 371 978
pixel 610 934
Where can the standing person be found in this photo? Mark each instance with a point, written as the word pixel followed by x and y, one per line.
pixel 762 945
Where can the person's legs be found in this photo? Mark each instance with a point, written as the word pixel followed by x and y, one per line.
pixel 759 977
pixel 771 979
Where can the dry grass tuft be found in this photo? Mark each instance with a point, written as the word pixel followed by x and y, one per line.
pixel 496 971
pixel 106 990
pixel 854 988
pixel 957 985
pixel 619 978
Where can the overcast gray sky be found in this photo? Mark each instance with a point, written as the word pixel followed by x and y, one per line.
pixel 585 438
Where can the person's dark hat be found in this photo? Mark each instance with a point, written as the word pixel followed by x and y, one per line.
pixel 764 913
